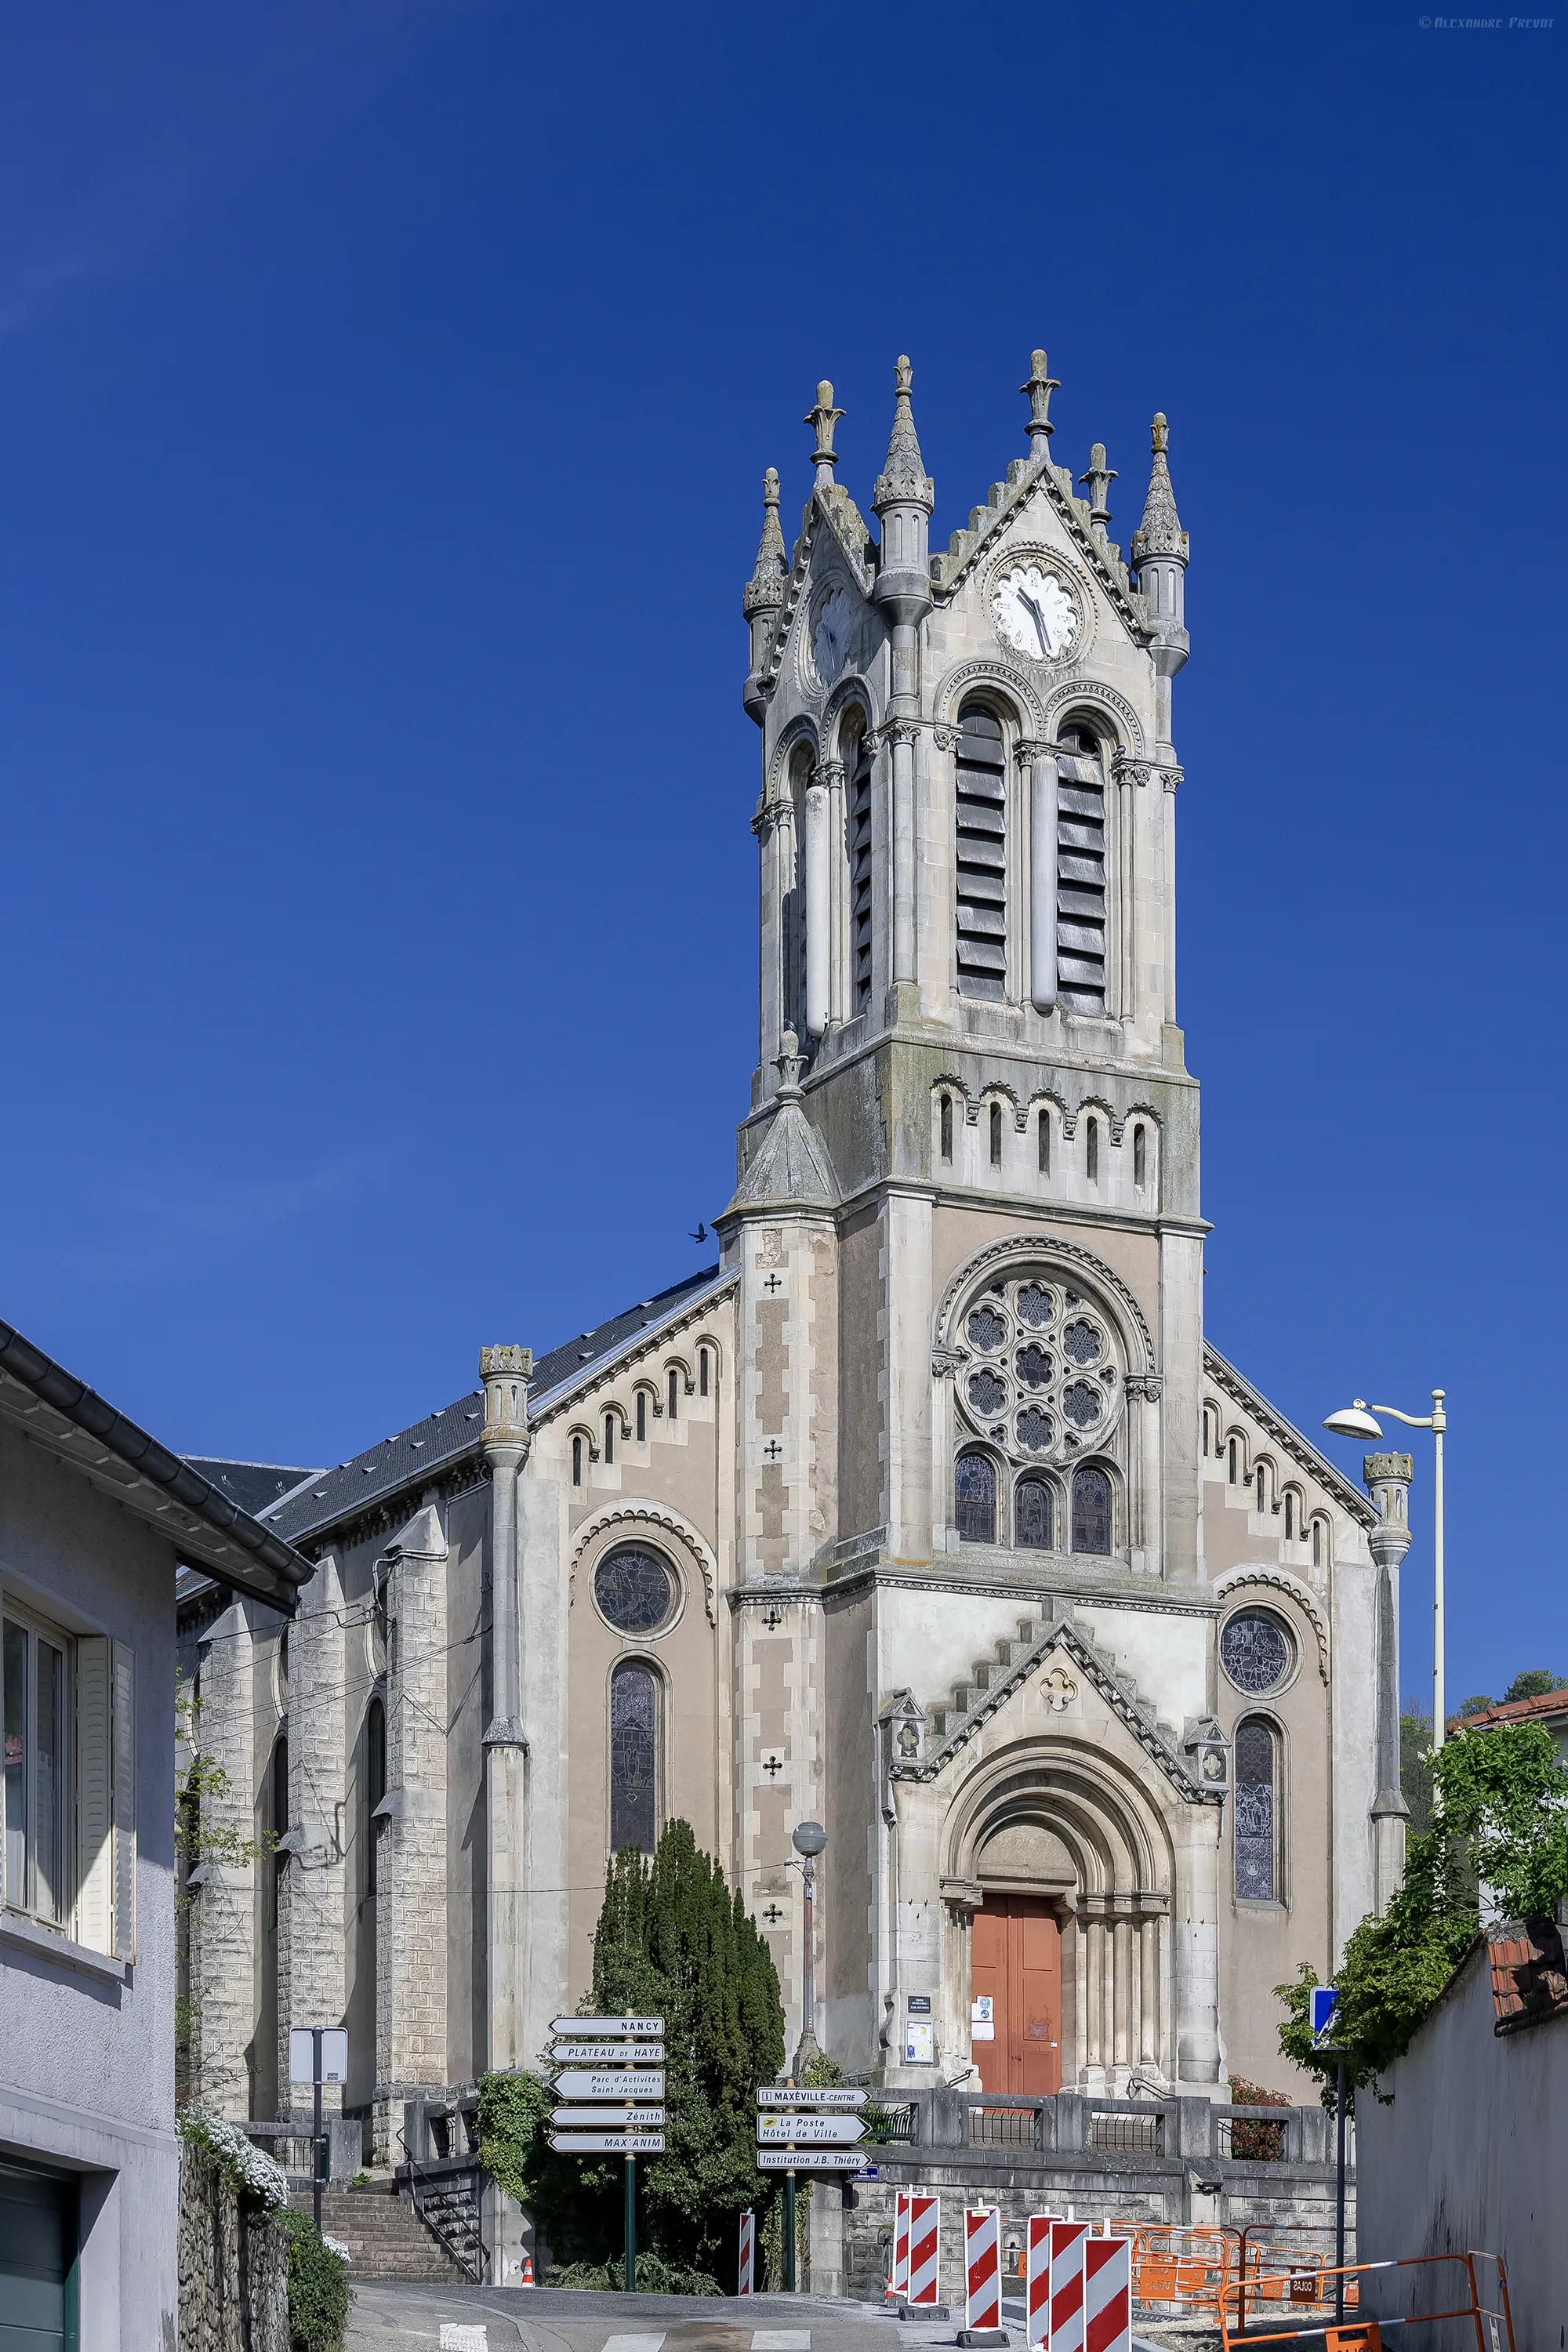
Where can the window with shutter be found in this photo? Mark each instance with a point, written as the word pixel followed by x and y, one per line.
pixel 94 1795
pixel 1080 874
pixel 981 846
pixel 859 847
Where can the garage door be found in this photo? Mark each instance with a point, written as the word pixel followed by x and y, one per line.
pixel 38 2263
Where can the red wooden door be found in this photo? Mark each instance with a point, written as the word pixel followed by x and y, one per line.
pixel 1016 1968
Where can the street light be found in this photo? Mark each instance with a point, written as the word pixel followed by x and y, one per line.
pixel 1356 1421
pixel 808 1840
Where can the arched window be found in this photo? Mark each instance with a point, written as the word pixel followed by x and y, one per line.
pixel 576 1461
pixel 642 1416
pixel 857 763
pixel 1139 1157
pixel 634 1757
pixel 1317 1543
pixel 1033 1515
pixel 1256 1824
pixel 947 1126
pixel 609 1437
pixel 701 1371
pixel 792 895
pixel 974 1496
pixel 1091 1150
pixel 1290 1517
pixel 279 1816
pixel 1080 872
pixel 1230 1472
pixel 996 1135
pixel 1091 1512
pixel 672 1405
pixel 1045 1141
pixel 374 1785
pixel 981 821
pixel 1262 1488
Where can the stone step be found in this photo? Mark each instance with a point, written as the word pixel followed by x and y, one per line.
pixel 385 2236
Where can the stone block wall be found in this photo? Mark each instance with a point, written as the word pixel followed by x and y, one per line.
pixel 234 2266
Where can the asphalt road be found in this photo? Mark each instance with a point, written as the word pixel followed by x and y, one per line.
pixel 408 2316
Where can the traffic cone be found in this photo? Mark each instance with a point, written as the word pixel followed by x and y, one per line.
pixel 527 2279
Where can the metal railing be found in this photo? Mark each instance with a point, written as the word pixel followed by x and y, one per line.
pixel 431 2202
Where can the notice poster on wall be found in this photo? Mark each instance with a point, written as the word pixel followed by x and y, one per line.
pixel 920 2042
pixel 981 2025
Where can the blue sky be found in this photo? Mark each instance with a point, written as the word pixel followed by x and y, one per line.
pixel 385 391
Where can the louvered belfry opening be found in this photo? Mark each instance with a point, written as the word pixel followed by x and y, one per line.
pixel 981 817
pixel 1080 872
pixel 858 763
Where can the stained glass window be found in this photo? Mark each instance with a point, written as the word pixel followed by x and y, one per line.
pixel 1033 1515
pixel 1254 1814
pixel 1091 1531
pixel 1034 1366
pixel 634 1757
pixel 634 1589
pixel 987 1392
pixel 1082 1343
pixel 1033 1306
pixel 1082 1405
pixel 986 1327
pixel 1034 1429
pixel 1255 1651
pixel 975 1498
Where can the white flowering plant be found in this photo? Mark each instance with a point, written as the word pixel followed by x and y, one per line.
pixel 335 2246
pixel 248 2167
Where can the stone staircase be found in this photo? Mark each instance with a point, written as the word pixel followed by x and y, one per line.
pixel 385 2236
pixel 988 1681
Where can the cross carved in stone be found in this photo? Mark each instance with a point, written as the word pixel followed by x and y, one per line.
pixel 773 1449
pixel 772 1915
pixel 774 1766
pixel 773 1284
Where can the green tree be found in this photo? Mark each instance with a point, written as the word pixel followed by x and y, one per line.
pixel 1477 1703
pixel 672 1941
pixel 1503 1793
pixel 1536 1681
pixel 1415 1766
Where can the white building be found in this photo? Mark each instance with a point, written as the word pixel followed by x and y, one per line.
pixel 930 1512
pixel 95 1519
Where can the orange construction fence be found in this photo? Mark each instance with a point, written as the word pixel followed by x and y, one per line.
pixel 1494 2328
pixel 1182 2270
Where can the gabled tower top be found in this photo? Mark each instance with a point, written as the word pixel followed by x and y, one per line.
pixel 1039 388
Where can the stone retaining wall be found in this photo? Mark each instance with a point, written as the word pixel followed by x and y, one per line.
pixel 234 2266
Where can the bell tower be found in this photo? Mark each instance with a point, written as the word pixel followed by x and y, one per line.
pixel 967 984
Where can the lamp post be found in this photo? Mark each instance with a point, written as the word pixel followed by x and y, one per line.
pixel 1356 1421
pixel 808 1840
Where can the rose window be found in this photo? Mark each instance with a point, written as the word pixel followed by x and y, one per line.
pixel 1042 1377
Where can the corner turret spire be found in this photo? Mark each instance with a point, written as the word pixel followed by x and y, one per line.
pixel 903 481
pixel 1159 552
pixel 764 592
pixel 823 418
pixel 1039 388
pixel 1160 532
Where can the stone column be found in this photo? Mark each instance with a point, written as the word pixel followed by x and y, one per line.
pixel 770 933
pixel 1143 1393
pixel 223 1916
pixel 1041 762
pixel 1194 1935
pixel 505 1372
pixel 411 1990
pixel 830 775
pixel 818 907
pixel 315 1991
pixel 901 739
pixel 1387 1478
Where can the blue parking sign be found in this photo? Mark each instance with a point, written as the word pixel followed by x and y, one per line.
pixel 1325 2001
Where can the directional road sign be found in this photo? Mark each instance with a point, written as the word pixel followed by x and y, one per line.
pixel 824 2131
pixel 630 2119
pixel 603 2054
pixel 587 2082
pixel 1325 2002
pixel 809 2159
pixel 594 2026
pixel 608 2143
pixel 811 2098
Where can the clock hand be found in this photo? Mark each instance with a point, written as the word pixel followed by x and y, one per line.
pixel 1037 617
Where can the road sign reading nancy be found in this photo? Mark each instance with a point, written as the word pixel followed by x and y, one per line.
pixel 824 2131
pixel 630 2082
pixel 626 2028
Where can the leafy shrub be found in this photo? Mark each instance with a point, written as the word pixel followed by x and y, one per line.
pixel 318 2287
pixel 1255 2142
pixel 653 2276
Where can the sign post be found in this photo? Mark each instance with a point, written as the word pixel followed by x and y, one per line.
pixel 789 2141
pixel 1325 2008
pixel 318 2054
pixel 626 2068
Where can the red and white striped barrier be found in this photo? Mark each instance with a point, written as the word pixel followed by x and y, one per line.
pixel 899 2284
pixel 1106 2294
pixel 1068 2239
pixel 983 2267
pixel 925 2216
pixel 748 2251
pixel 1037 2279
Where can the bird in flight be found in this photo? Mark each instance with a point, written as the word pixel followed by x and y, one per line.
pixel 701 1232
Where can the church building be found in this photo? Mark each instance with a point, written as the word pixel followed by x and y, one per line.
pixel 929 1513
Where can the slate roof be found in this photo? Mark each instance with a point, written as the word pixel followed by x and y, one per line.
pixel 252 1485
pixel 440 1441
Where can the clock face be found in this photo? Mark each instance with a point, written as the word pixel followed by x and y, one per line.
pixel 830 639
pixel 1034 612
